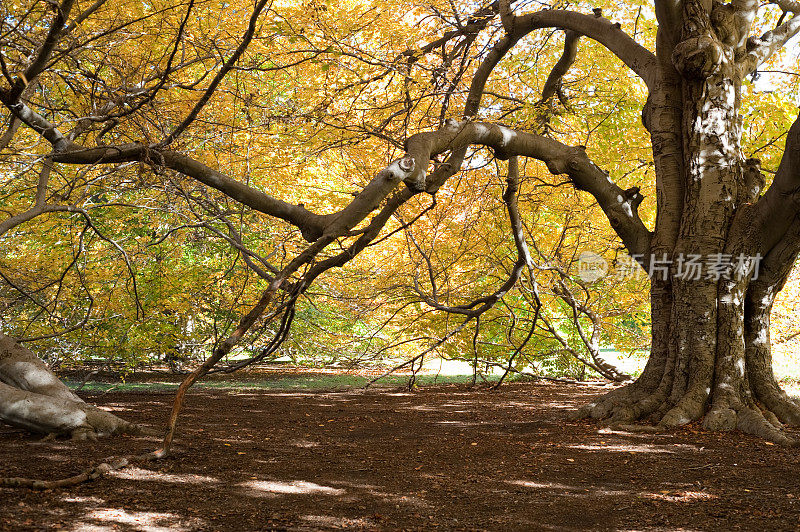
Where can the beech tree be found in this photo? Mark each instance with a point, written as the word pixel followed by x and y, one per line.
pixel 710 355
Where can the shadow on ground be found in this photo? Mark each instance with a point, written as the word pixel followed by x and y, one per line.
pixel 445 457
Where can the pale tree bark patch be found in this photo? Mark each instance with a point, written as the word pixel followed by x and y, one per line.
pixel 33 398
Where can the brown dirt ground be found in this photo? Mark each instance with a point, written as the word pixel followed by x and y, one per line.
pixel 445 457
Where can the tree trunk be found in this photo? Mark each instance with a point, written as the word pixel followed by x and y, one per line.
pixel 734 387
pixel 710 354
pixel 33 398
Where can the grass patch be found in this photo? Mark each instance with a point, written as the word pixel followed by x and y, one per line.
pixel 299 382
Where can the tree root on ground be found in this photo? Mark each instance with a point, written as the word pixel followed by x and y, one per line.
pixel 621 408
pixel 87 475
pixel 628 427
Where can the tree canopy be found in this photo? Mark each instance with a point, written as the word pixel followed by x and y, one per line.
pixel 352 181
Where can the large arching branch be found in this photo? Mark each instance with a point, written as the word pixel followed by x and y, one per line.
pixel 552 85
pixel 765 224
pixel 69 152
pixel 411 169
pixel 635 56
pixel 758 50
pixel 312 225
pixel 620 206
pixel 40 59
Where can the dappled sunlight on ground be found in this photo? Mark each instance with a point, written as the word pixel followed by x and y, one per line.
pixel 457 423
pixel 294 487
pixel 115 408
pixel 329 521
pixel 638 448
pixel 359 495
pixel 518 404
pixel 422 408
pixel 542 485
pixel 305 444
pixel 681 496
pixel 365 493
pixel 83 500
pixel 113 519
pixel 565 490
pixel 559 405
pixel 135 473
pixel 443 458
pixel 615 490
pixel 644 434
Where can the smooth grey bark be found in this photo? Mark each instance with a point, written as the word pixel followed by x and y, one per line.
pixel 33 398
pixel 710 353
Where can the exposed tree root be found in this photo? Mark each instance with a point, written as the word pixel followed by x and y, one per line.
pixel 87 475
pixel 33 398
pixel 627 427
pixel 747 419
pixel 623 406
pixel 774 400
